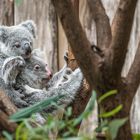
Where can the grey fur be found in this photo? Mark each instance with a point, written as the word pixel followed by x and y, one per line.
pixel 17 40
pixel 29 84
pixel 23 83
pixel 14 40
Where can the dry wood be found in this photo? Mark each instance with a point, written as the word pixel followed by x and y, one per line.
pixel 5 124
pixel 6 109
pixel 5 104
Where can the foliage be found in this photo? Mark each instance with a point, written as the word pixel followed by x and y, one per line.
pixel 27 112
pixel 110 128
pixel 67 129
pixel 136 136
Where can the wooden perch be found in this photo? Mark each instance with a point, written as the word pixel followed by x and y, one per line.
pixel 5 124
pixel 6 109
pixel 121 29
pixel 5 104
pixel 103 28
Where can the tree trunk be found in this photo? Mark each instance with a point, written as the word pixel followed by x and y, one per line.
pixel 6 12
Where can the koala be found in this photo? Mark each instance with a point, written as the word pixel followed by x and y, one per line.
pixel 17 40
pixel 11 68
pixel 32 83
pixel 68 85
pixel 17 72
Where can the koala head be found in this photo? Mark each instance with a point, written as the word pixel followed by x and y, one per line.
pixel 36 72
pixel 18 39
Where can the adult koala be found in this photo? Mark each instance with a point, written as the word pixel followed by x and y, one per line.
pixel 17 40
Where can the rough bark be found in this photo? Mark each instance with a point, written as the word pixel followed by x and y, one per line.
pixel 121 29
pixel 78 40
pixel 6 105
pixel 5 124
pixel 133 75
pixel 6 109
pixel 101 20
pixel 85 92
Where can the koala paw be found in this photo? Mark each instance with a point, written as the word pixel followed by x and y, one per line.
pixel 66 76
pixel 66 57
pixel 20 63
pixel 20 103
pixel 16 98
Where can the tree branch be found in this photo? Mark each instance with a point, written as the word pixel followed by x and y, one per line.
pixel 121 29
pixel 6 109
pixel 78 41
pixel 5 104
pixel 133 76
pixel 5 124
pixel 103 28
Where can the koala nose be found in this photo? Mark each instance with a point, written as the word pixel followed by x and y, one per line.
pixel 49 73
pixel 27 48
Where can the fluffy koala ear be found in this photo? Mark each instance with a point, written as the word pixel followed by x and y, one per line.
pixel 3 34
pixel 30 25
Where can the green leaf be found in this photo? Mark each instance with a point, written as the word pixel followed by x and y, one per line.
pixel 68 112
pixel 27 112
pixel 74 138
pixel 18 130
pixel 136 136
pixel 115 125
pixel 104 96
pixel 7 135
pixel 111 113
pixel 101 126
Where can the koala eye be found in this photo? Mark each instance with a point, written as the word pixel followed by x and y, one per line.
pixel 17 45
pixel 36 67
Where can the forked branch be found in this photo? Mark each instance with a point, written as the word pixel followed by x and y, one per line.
pixel 103 28
pixel 77 39
pixel 121 29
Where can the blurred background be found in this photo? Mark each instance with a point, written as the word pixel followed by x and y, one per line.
pixel 51 38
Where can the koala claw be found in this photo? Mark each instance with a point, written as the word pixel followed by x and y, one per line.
pixel 68 71
pixel 20 103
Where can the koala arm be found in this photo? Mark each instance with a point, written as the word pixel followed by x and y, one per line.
pixel 69 88
pixel 14 96
pixel 11 68
pixel 53 82
pixel 9 71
